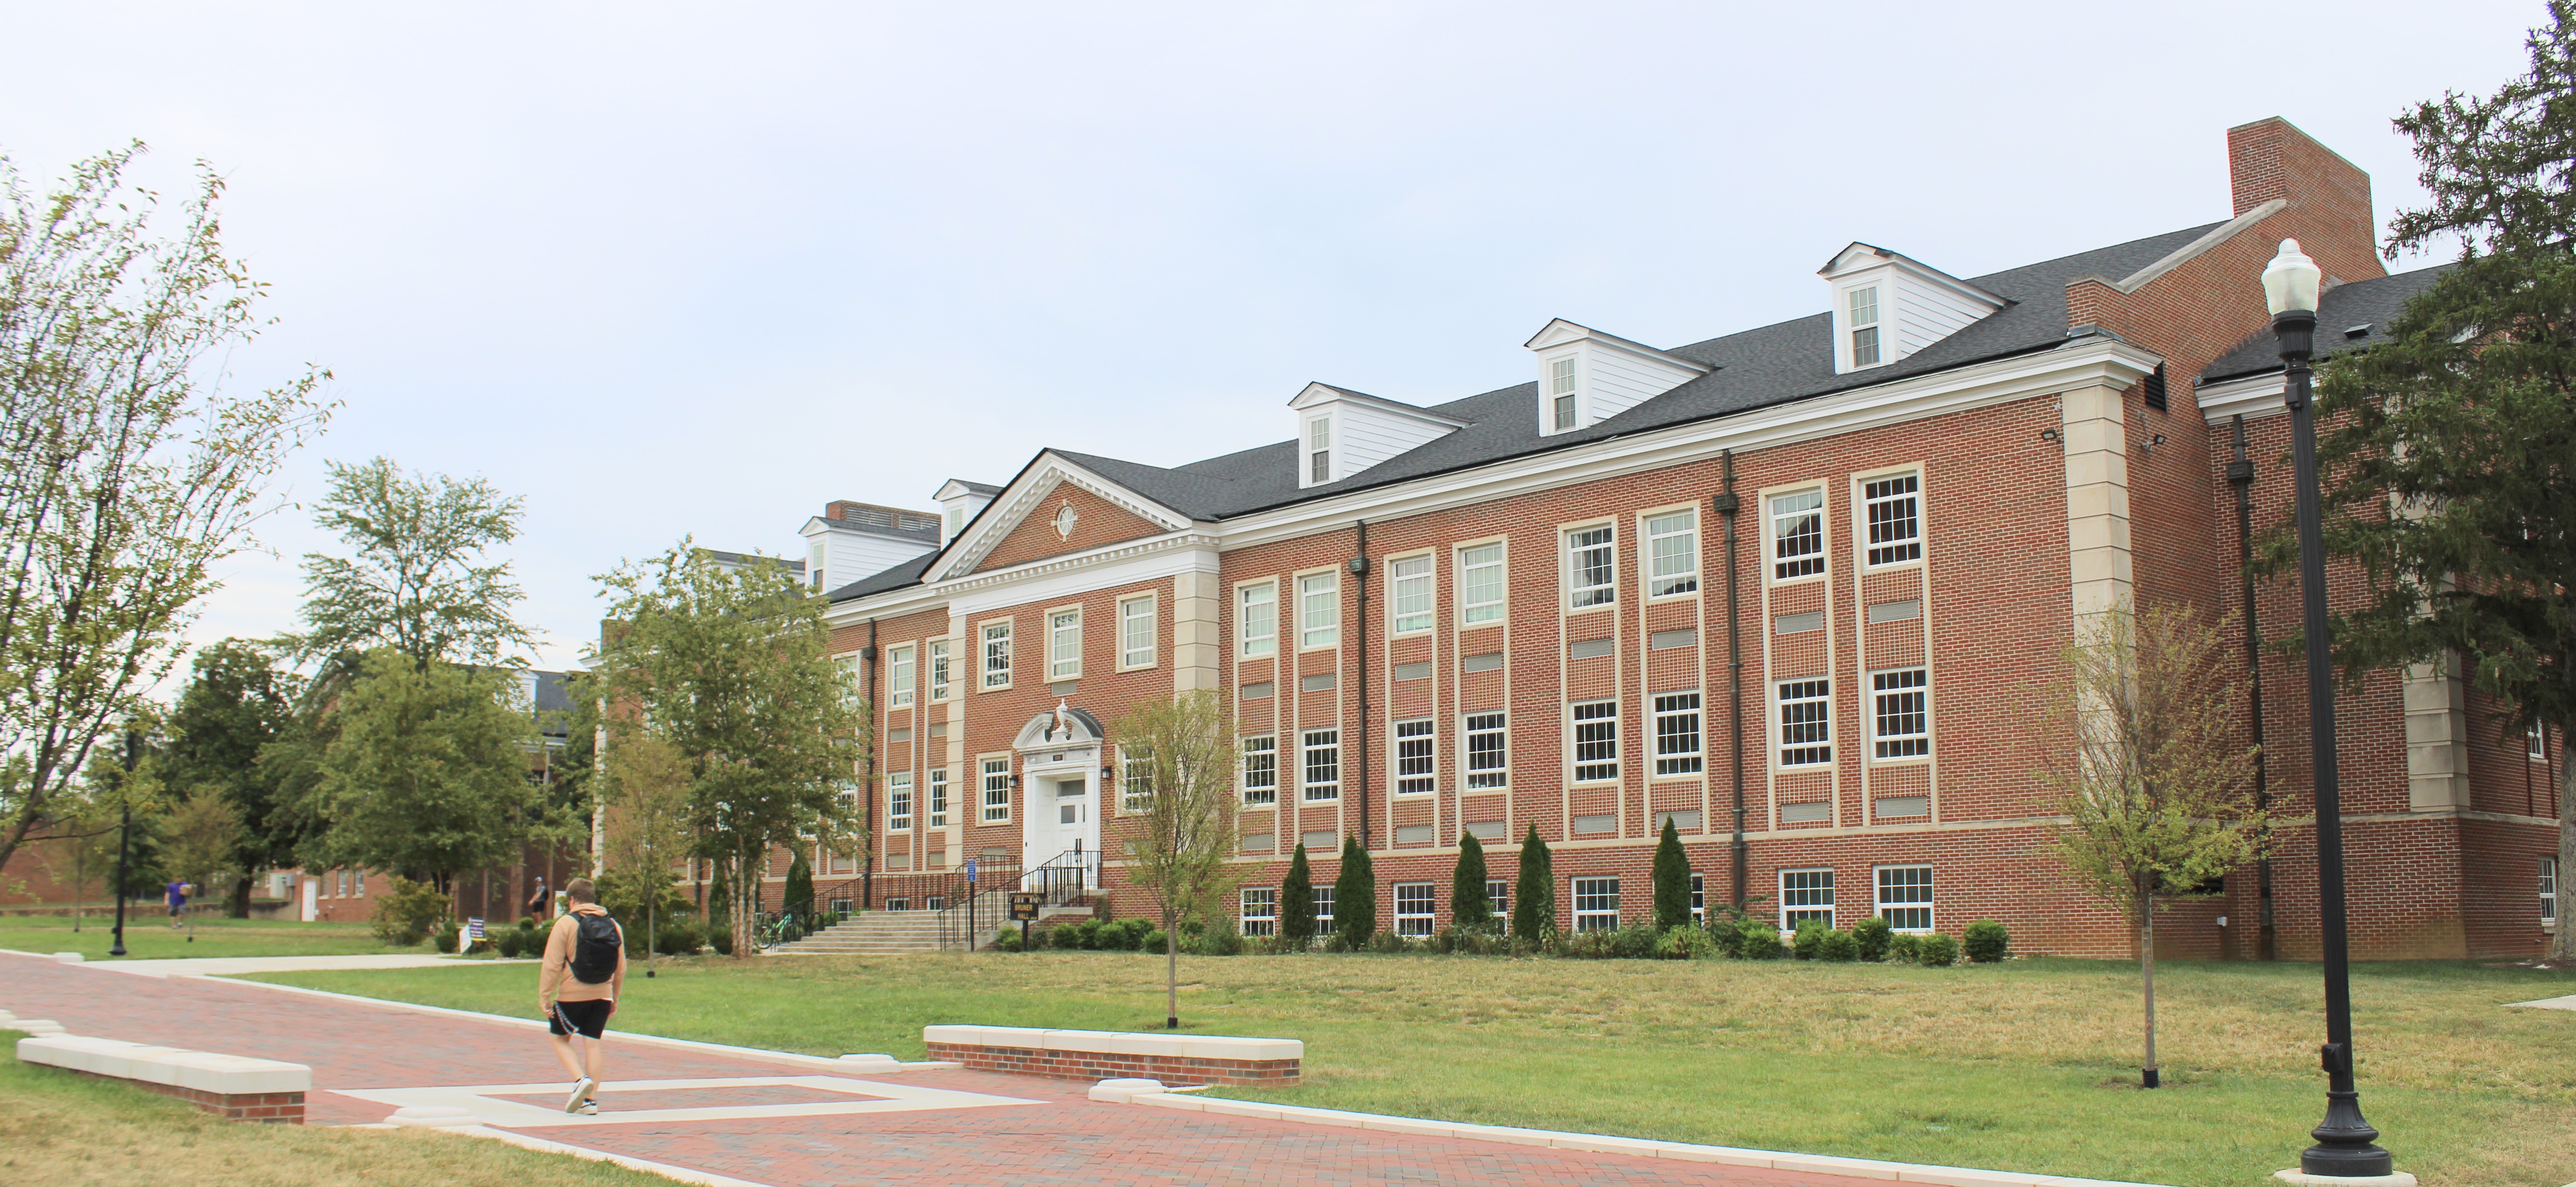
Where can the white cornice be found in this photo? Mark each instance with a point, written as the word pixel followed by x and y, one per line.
pixel 2253 396
pixel 1117 564
pixel 1559 332
pixel 1025 494
pixel 2184 254
pixel 1324 393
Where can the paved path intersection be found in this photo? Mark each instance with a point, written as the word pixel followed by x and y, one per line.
pixel 780 1122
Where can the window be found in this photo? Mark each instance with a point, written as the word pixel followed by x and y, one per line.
pixel 938 797
pixel 939 670
pixel 1805 895
pixel 1498 896
pixel 898 904
pixel 1480 584
pixel 1699 902
pixel 1319 450
pixel 1261 912
pixel 1413 908
pixel 1411 605
pixel 1319 610
pixel 997 655
pixel 1900 725
pixel 1323 765
pixel 899 802
pixel 1905 897
pixel 1591 579
pixel 1413 757
pixel 1806 723
pixel 814 564
pixel 1596 904
pixel 1064 645
pixel 1864 327
pixel 1677 750
pixel 997 791
pixel 1323 910
pixel 1672 554
pixel 1488 751
pixel 2535 743
pixel 1261 770
pixel 1136 633
pixel 1560 392
pixel 1895 521
pixel 1596 742
pixel 2549 890
pixel 956 520
pixel 1257 619
pixel 899 675
pixel 1135 778
pixel 1797 534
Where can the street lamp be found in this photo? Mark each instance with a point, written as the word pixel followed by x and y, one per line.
pixel 2345 1143
pixel 124 836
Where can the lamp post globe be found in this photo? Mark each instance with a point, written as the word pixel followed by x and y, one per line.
pixel 2346 1146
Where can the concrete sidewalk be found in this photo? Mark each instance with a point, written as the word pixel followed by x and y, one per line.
pixel 227 966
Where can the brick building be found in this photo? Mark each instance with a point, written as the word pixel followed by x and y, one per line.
pixel 1530 608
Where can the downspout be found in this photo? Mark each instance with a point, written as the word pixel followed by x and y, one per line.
pixel 868 767
pixel 1359 577
pixel 2240 474
pixel 1727 505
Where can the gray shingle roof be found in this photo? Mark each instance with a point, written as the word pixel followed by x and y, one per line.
pixel 2362 304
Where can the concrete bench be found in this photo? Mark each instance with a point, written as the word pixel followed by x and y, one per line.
pixel 1108 1054
pixel 234 1087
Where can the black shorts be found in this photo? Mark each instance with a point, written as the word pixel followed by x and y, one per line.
pixel 590 1017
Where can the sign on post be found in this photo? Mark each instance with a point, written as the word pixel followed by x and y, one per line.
pixel 970 871
pixel 1024 905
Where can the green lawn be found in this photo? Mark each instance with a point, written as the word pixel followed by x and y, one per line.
pixel 148 936
pixel 2025 1066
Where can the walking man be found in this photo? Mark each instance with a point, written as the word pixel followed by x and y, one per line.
pixel 176 893
pixel 577 988
pixel 540 904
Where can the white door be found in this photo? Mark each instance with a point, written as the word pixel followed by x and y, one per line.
pixel 1071 814
pixel 312 889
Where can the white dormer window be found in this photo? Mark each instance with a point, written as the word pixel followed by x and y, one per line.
pixel 814 565
pixel 1864 327
pixel 1341 433
pixel 1560 393
pixel 1319 450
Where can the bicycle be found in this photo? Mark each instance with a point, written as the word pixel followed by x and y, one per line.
pixel 772 932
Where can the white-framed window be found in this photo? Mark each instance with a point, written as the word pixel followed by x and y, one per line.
pixel 1480 584
pixel 1900 713
pixel 997 790
pixel 899 676
pixel 997 654
pixel 1905 897
pixel 1256 620
pixel 1805 895
pixel 1596 904
pixel 1413 757
pixel 938 797
pixel 1677 734
pixel 2549 890
pixel 899 802
pixel 1864 327
pixel 1410 607
pixel 939 687
pixel 1596 742
pixel 1260 911
pixel 1261 769
pixel 1672 553
pixel 1319 610
pixel 814 564
pixel 1319 450
pixel 2535 743
pixel 1591 573
pixel 1323 765
pixel 1413 910
pixel 1797 535
pixel 1064 644
pixel 1893 509
pixel 1324 909
pixel 1562 413
pixel 956 521
pixel 1498 898
pixel 1699 901
pixel 1135 779
pixel 1138 631
pixel 1489 751
pixel 1806 723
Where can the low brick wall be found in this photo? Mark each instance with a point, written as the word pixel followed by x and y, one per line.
pixel 1105 1055
pixel 274 1108
pixel 234 1087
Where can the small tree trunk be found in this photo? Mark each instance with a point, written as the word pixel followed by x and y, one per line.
pixel 1171 970
pixel 2147 982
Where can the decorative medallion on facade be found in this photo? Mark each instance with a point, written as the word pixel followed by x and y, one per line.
pixel 1065 518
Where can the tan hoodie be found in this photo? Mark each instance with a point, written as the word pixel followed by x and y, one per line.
pixel 556 982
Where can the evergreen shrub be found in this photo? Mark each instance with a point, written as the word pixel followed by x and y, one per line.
pixel 1938 950
pixel 1870 937
pixel 1135 932
pixel 1986 942
pixel 676 939
pixel 1809 938
pixel 1221 941
pixel 1837 945
pixel 1759 939
pixel 1637 941
pixel 1671 879
pixel 1156 939
pixel 1389 942
pixel 1007 939
pixel 1905 948
pixel 721 939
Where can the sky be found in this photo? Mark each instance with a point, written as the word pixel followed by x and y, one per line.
pixel 666 271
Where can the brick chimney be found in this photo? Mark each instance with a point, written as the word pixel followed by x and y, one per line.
pixel 2330 196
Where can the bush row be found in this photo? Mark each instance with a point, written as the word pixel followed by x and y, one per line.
pixel 1872 940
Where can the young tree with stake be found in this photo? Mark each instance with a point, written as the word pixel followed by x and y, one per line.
pixel 1182 748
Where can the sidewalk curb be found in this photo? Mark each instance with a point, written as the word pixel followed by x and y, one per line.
pixel 666 1170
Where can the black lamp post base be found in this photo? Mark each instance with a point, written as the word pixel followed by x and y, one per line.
pixel 2304 1179
pixel 2346 1145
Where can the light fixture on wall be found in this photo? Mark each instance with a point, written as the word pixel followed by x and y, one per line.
pixel 2048 434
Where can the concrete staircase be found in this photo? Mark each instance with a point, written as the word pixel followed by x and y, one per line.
pixel 889 933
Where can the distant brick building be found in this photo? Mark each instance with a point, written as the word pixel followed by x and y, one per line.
pixel 1517 610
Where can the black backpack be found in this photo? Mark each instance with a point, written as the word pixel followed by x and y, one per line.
pixel 595 945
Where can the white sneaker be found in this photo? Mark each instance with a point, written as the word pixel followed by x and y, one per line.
pixel 589 1108
pixel 581 1090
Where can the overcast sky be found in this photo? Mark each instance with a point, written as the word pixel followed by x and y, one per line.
pixel 667 271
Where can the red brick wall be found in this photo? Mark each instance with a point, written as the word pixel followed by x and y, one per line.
pixel 1097 522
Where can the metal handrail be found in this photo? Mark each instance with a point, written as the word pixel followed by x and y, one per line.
pixel 1063 879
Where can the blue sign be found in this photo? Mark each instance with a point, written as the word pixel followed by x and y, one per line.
pixel 970 869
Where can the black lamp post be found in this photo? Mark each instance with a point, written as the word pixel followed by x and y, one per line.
pixel 124 835
pixel 2346 1145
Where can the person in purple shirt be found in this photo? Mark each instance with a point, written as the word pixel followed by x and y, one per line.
pixel 177 893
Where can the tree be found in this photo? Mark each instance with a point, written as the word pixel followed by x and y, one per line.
pixel 1468 905
pixel 236 705
pixel 799 895
pixel 1297 904
pixel 1183 849
pixel 128 472
pixel 733 668
pixel 418 581
pixel 2463 420
pixel 1534 900
pixel 2157 789
pixel 204 842
pixel 1355 896
pixel 645 794
pixel 428 774
pixel 1672 879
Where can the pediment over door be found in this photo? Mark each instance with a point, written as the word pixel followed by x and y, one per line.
pixel 1063 728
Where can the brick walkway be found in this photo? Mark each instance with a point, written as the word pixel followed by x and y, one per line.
pixel 1057 1137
